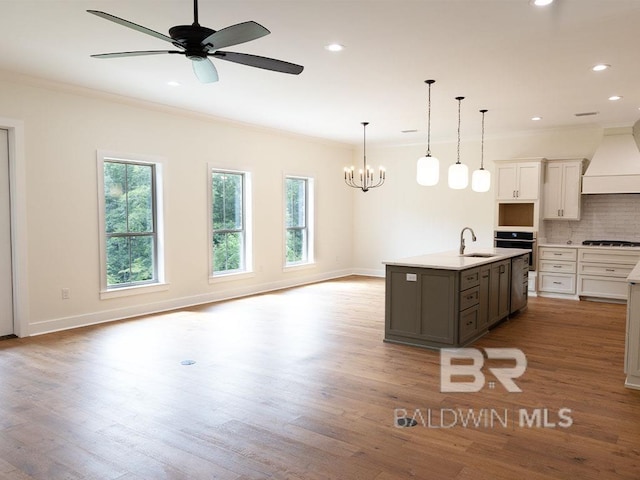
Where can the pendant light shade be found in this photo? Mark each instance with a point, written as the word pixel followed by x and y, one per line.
pixel 458 172
pixel 428 167
pixel 458 176
pixel 481 178
pixel 428 172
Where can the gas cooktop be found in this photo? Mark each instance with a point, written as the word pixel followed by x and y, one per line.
pixel 611 243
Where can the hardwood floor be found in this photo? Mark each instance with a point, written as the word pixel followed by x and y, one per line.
pixel 299 385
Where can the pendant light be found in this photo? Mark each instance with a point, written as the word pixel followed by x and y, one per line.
pixel 458 172
pixel 428 169
pixel 481 178
pixel 367 180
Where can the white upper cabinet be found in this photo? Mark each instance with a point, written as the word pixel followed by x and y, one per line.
pixel 562 189
pixel 518 180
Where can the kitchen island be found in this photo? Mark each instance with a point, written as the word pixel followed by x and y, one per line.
pixel 632 338
pixel 448 300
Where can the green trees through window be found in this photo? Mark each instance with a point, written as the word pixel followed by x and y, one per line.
pixel 130 223
pixel 296 220
pixel 227 193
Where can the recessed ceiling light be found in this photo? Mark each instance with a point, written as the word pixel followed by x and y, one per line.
pixel 334 47
pixel 173 83
pixel 600 67
pixel 541 3
pixel 613 98
pixel 536 119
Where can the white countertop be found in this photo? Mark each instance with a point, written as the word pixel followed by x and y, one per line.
pixel 454 261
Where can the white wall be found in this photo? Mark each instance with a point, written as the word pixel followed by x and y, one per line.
pixel 356 231
pixel 403 219
pixel 63 129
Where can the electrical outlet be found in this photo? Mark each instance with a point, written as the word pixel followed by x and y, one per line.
pixel 66 294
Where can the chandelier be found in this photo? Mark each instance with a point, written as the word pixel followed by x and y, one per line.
pixel 366 176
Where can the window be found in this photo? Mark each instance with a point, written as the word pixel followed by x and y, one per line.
pixel 230 221
pixel 298 221
pixel 130 214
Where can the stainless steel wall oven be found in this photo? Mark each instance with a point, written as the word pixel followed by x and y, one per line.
pixel 518 239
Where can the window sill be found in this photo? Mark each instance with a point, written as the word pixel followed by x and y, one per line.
pixel 229 277
pixel 134 290
pixel 299 266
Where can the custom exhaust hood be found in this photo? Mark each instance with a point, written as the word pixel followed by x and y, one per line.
pixel 615 166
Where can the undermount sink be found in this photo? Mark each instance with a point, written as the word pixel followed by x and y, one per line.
pixel 479 255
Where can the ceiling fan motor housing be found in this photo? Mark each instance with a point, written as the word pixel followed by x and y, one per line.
pixel 190 38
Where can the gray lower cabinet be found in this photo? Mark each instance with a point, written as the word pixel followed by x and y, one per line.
pixel 519 283
pixel 445 308
pixel 415 312
pixel 485 295
pixel 500 291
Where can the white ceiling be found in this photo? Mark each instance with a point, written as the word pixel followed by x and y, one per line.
pixel 508 56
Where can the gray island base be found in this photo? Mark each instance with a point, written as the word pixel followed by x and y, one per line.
pixel 448 300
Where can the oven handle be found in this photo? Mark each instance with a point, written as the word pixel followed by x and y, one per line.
pixel 530 242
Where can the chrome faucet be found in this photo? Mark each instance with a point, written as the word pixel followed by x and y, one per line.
pixel 473 237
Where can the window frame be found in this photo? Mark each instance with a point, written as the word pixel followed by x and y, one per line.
pixel 158 283
pixel 247 221
pixel 309 228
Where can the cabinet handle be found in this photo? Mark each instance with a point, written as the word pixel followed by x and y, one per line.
pixel 558 254
pixel 610 269
pixel 557 283
pixel 562 212
pixel 470 278
pixel 557 266
pixel 559 213
pixel 485 276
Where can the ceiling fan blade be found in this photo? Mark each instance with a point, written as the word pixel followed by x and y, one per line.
pixel 135 54
pixel 236 34
pixel 134 26
pixel 260 62
pixel 205 71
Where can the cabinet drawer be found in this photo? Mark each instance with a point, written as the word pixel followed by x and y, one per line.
pixel 558 253
pixel 468 324
pixel 557 267
pixel 557 283
pixel 603 287
pixel 469 278
pixel 619 271
pixel 609 256
pixel 469 298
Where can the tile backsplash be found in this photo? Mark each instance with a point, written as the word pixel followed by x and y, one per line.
pixel 604 217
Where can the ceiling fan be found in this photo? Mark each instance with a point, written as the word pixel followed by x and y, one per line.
pixel 198 43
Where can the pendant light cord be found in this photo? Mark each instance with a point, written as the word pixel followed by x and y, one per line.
pixel 483 111
pixel 429 83
pixel 459 104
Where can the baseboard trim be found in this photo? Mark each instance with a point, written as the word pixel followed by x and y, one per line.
pixel 105 316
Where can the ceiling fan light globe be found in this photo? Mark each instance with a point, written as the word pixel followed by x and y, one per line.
pixel 428 171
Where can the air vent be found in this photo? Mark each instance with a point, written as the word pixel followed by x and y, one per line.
pixel 586 114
